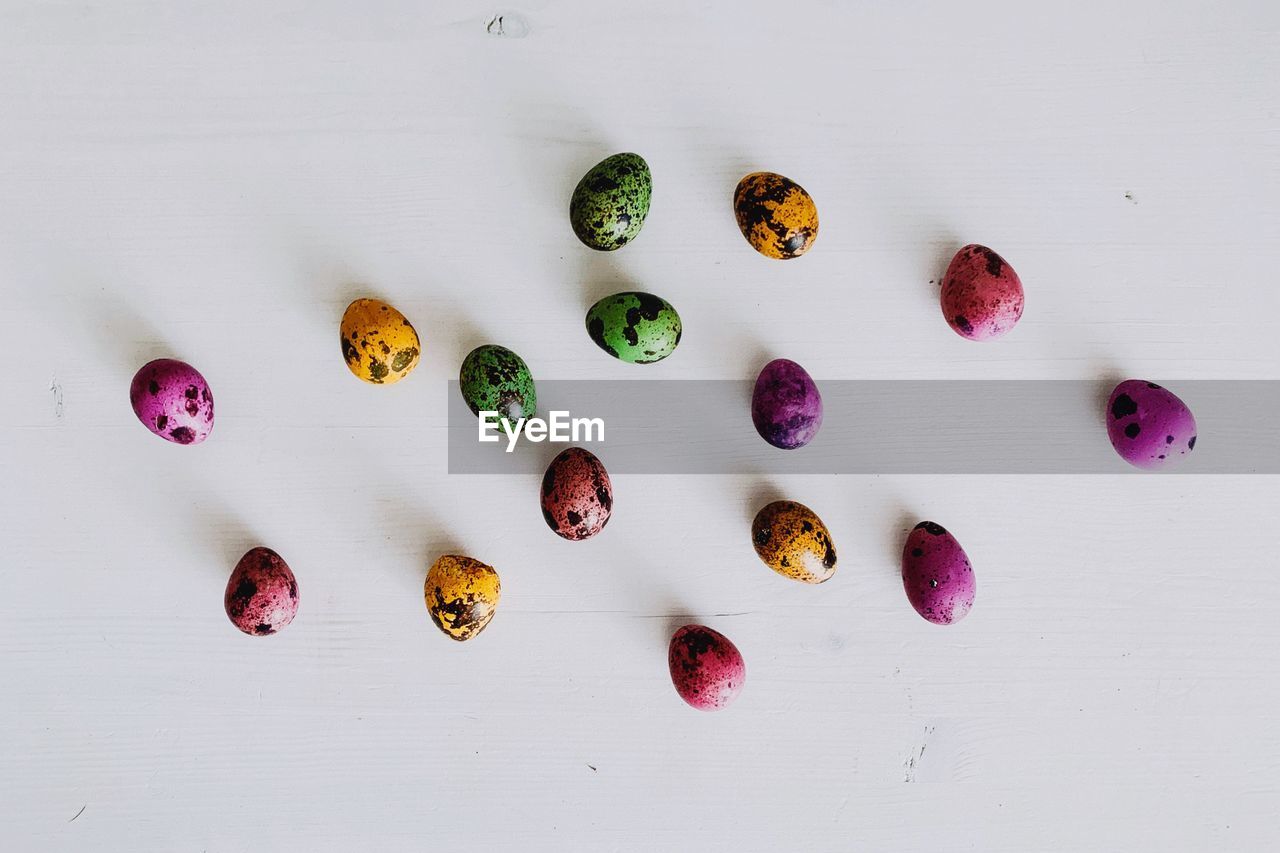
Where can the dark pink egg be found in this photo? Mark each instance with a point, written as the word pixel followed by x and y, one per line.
pixel 172 400
pixel 1148 425
pixel 262 593
pixel 936 574
pixel 577 497
pixel 706 668
pixel 981 294
pixel 786 407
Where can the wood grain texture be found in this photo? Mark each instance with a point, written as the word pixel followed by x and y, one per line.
pixel 215 182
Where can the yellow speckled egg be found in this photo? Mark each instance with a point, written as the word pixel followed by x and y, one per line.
pixel 776 215
pixel 793 541
pixel 378 343
pixel 462 595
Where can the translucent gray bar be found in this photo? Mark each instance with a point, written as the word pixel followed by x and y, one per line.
pixel 880 427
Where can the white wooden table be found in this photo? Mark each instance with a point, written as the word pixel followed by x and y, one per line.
pixel 216 181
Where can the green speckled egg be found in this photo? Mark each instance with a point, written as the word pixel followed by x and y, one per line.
pixel 611 201
pixel 495 379
pixel 638 328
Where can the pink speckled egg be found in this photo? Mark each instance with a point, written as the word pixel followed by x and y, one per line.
pixel 937 575
pixel 172 400
pixel 1148 425
pixel 706 668
pixel 262 593
pixel 577 497
pixel 981 294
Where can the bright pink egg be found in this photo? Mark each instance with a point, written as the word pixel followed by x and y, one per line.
pixel 937 575
pixel 172 400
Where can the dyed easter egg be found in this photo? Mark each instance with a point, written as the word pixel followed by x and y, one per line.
pixel 791 539
pixel 172 400
pixel 610 203
pixel 262 593
pixel 1148 425
pixel 495 379
pixel 577 497
pixel 981 294
pixel 462 595
pixel 776 215
pixel 378 343
pixel 786 407
pixel 638 328
pixel 936 574
pixel 707 669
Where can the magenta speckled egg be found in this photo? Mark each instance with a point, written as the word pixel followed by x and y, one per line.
pixel 172 400
pixel 1148 425
pixel 981 294
pixel 706 668
pixel 937 575
pixel 786 407
pixel 577 497
pixel 262 593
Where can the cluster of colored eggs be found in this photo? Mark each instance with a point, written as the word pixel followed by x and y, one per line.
pixel 981 299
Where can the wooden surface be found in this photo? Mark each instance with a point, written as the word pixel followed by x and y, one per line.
pixel 215 181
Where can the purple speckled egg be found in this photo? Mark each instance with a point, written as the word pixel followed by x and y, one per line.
pixel 1148 425
pixel 577 497
pixel 262 593
pixel 172 400
pixel 786 407
pixel 706 668
pixel 981 294
pixel 937 575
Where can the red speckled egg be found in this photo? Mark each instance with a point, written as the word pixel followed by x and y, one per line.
pixel 981 294
pixel 262 593
pixel 577 498
pixel 707 669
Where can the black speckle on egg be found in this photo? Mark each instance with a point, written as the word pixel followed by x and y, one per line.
pixel 1132 430
pixel 1123 407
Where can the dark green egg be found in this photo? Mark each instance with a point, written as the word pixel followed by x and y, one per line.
pixel 638 328
pixel 611 201
pixel 495 379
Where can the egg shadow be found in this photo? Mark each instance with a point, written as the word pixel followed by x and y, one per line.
pixel 326 283
pixel 750 354
pixel 941 251
pixel 758 497
pixel 222 533
pixel 1109 376
pixel 122 337
pixel 674 616
pixel 902 521
pixel 455 329
pixel 551 172
pixel 601 274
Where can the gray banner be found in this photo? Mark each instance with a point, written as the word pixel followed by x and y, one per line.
pixel 878 427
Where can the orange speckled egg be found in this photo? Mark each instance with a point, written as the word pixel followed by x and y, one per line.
pixel 793 541
pixel 378 343
pixel 776 215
